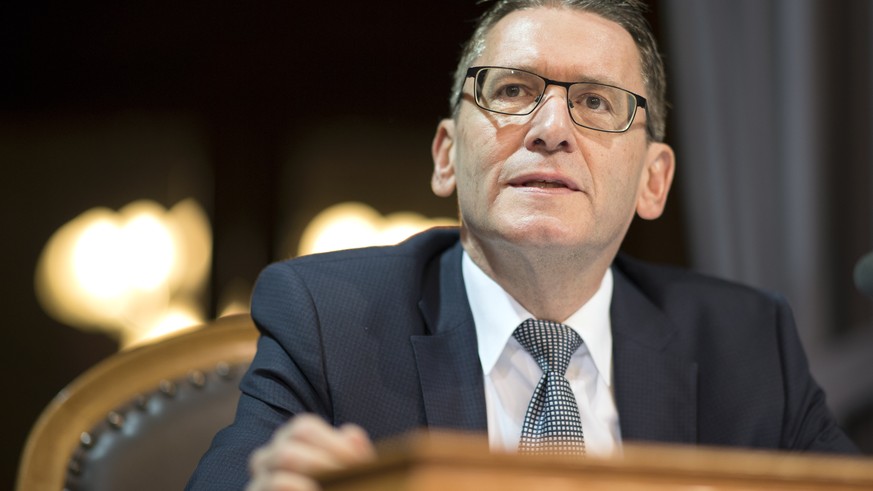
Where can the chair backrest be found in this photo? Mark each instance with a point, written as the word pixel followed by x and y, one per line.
pixel 141 419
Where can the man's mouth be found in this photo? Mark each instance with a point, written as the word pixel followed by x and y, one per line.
pixel 542 184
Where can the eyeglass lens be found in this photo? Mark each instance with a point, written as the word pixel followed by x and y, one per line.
pixel 509 91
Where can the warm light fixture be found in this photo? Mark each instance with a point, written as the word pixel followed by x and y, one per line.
pixel 350 225
pixel 132 273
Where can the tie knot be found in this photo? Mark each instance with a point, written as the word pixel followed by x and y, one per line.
pixel 551 344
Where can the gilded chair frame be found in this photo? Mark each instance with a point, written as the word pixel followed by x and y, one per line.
pixel 122 377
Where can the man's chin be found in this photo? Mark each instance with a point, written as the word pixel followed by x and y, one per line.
pixel 545 236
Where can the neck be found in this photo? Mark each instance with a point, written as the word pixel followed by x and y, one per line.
pixel 551 283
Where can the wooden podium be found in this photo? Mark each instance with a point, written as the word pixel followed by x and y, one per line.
pixel 457 462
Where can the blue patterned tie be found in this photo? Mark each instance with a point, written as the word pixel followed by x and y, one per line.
pixel 552 425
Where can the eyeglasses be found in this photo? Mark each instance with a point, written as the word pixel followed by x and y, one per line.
pixel 518 92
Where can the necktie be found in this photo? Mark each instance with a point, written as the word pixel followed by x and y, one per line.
pixel 552 425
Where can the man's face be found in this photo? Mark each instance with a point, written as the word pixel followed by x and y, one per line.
pixel 540 180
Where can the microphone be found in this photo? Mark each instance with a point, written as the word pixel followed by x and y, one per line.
pixel 864 274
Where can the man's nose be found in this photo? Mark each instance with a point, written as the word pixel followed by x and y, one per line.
pixel 551 129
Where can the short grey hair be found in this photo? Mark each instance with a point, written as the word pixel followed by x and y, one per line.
pixel 629 14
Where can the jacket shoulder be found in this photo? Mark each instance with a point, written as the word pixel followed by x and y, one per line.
pixel 419 247
pixel 668 285
pixel 374 273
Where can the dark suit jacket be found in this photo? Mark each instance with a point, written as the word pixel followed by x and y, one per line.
pixel 384 337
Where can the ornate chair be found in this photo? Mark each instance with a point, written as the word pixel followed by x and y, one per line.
pixel 141 419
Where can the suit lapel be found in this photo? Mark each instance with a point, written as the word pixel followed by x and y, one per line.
pixel 655 390
pixel 448 358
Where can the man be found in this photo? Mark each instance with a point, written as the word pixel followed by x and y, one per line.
pixel 554 145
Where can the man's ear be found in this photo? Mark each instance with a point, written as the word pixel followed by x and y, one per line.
pixel 442 150
pixel 655 181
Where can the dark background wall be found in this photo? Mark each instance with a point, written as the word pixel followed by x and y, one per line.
pixel 265 112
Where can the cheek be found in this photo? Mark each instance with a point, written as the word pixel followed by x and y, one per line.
pixel 503 141
pixel 489 139
pixel 480 150
pixel 617 176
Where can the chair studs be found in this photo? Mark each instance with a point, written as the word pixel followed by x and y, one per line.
pixel 115 420
pixel 197 379
pixel 75 467
pixel 223 370
pixel 86 440
pixel 141 402
pixel 168 388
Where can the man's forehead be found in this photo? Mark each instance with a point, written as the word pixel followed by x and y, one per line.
pixel 565 44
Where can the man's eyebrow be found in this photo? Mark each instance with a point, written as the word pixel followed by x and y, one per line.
pixel 597 79
pixel 579 77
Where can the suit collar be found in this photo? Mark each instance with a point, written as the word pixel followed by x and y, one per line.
pixel 655 388
pixel 447 359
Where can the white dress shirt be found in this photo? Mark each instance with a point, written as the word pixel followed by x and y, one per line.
pixel 511 374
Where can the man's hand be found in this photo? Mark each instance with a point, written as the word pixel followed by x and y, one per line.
pixel 304 446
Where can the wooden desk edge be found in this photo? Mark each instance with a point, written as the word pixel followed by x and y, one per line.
pixel 705 464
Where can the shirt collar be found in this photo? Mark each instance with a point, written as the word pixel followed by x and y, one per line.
pixel 496 315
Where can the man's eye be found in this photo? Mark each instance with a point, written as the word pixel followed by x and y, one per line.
pixel 511 91
pixel 595 102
